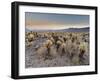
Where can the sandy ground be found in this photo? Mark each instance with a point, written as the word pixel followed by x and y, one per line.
pixel 32 60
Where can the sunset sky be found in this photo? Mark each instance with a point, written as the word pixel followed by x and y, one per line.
pixel 50 21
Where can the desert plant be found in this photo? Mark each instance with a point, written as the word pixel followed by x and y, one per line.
pixel 58 43
pixel 82 50
pixel 53 51
pixel 62 49
pixel 41 52
pixel 30 37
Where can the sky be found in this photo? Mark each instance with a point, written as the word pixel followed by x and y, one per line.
pixel 52 21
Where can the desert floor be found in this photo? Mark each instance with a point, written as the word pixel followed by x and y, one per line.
pixel 55 58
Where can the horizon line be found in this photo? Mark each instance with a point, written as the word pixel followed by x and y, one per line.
pixel 56 29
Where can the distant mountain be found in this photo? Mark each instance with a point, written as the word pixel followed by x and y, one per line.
pixel 85 29
pixel 27 30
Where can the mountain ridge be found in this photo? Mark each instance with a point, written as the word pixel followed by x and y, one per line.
pixel 85 29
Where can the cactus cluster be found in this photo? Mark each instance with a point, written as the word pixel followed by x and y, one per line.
pixel 59 44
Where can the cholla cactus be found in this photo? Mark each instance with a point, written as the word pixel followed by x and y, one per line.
pixel 54 45
pixel 53 51
pixel 61 39
pixel 58 43
pixel 52 39
pixel 65 38
pixel 62 49
pixel 45 49
pixel 48 43
pixel 71 49
pixel 82 49
pixel 46 35
pixel 30 37
pixel 41 52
